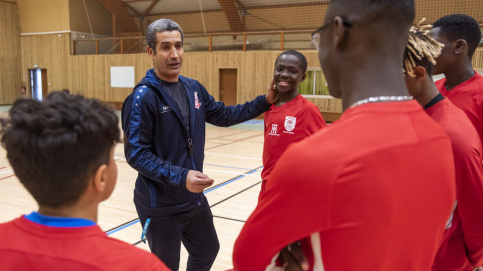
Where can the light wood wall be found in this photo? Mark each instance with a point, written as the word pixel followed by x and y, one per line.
pixel 90 74
pixel 43 15
pixel 10 57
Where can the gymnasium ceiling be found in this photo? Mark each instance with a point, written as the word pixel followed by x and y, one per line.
pixel 231 8
pixel 156 7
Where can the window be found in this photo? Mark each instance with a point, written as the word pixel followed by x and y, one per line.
pixel 314 84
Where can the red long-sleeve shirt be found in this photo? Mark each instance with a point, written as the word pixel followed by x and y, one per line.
pixel 373 191
pixel 27 245
pixel 468 96
pixel 462 246
pixel 285 125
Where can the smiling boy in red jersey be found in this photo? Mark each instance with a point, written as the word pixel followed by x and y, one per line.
pixel 462 245
pixel 62 151
pixel 373 191
pixel 292 118
pixel 462 85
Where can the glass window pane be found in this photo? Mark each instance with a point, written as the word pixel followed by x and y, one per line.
pixel 320 84
pixel 307 86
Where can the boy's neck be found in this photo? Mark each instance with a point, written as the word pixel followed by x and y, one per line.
pixel 73 211
pixel 284 98
pixel 455 77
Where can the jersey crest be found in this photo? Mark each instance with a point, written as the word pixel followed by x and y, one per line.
pixel 290 123
pixel 197 101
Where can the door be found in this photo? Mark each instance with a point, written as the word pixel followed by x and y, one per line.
pixel 228 85
pixel 38 83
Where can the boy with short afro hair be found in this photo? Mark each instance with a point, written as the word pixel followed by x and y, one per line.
pixel 292 118
pixel 62 151
pixel 462 85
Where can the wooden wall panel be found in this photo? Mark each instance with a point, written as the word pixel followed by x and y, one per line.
pixel 90 74
pixel 43 15
pixel 10 55
pixel 478 59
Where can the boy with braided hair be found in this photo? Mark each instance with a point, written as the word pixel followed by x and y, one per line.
pixel 462 244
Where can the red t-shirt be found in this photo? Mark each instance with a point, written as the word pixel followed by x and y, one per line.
pixel 462 246
pixel 26 245
pixel 287 124
pixel 372 191
pixel 468 96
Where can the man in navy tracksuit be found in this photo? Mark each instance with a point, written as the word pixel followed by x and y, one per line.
pixel 164 129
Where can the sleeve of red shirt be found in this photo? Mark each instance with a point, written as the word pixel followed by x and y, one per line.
pixel 314 120
pixel 281 217
pixel 469 187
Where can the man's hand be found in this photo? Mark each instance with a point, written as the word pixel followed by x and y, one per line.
pixel 272 93
pixel 293 258
pixel 196 181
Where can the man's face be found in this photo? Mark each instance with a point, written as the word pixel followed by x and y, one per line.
pixel 169 55
pixel 444 61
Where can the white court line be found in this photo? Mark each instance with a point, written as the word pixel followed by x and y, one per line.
pixel 234 156
pixel 6 171
pixel 231 172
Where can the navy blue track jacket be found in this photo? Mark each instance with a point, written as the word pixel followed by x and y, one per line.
pixel 159 147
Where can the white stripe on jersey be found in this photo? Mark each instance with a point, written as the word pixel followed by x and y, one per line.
pixel 317 250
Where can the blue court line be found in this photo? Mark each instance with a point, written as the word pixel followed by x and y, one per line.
pixel 221 185
pixel 230 167
pixel 213 165
pixel 123 227
pixel 204 192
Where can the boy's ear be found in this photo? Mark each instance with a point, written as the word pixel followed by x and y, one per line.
pixel 340 31
pixel 99 178
pixel 420 73
pixel 460 46
pixel 303 77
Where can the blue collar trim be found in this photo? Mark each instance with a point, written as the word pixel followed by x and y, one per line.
pixel 64 222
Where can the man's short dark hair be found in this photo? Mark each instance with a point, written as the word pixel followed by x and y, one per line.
pixel 55 146
pixel 298 55
pixel 460 26
pixel 158 26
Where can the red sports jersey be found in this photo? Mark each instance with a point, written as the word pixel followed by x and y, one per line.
pixel 26 245
pixel 373 191
pixel 287 124
pixel 468 96
pixel 462 246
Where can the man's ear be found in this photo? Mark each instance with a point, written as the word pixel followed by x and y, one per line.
pixel 339 31
pixel 150 51
pixel 419 73
pixel 303 77
pixel 100 178
pixel 460 46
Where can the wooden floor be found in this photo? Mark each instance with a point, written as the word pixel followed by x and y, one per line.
pixel 232 158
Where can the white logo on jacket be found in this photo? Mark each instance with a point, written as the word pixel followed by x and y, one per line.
pixel 290 123
pixel 166 108
pixel 197 101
